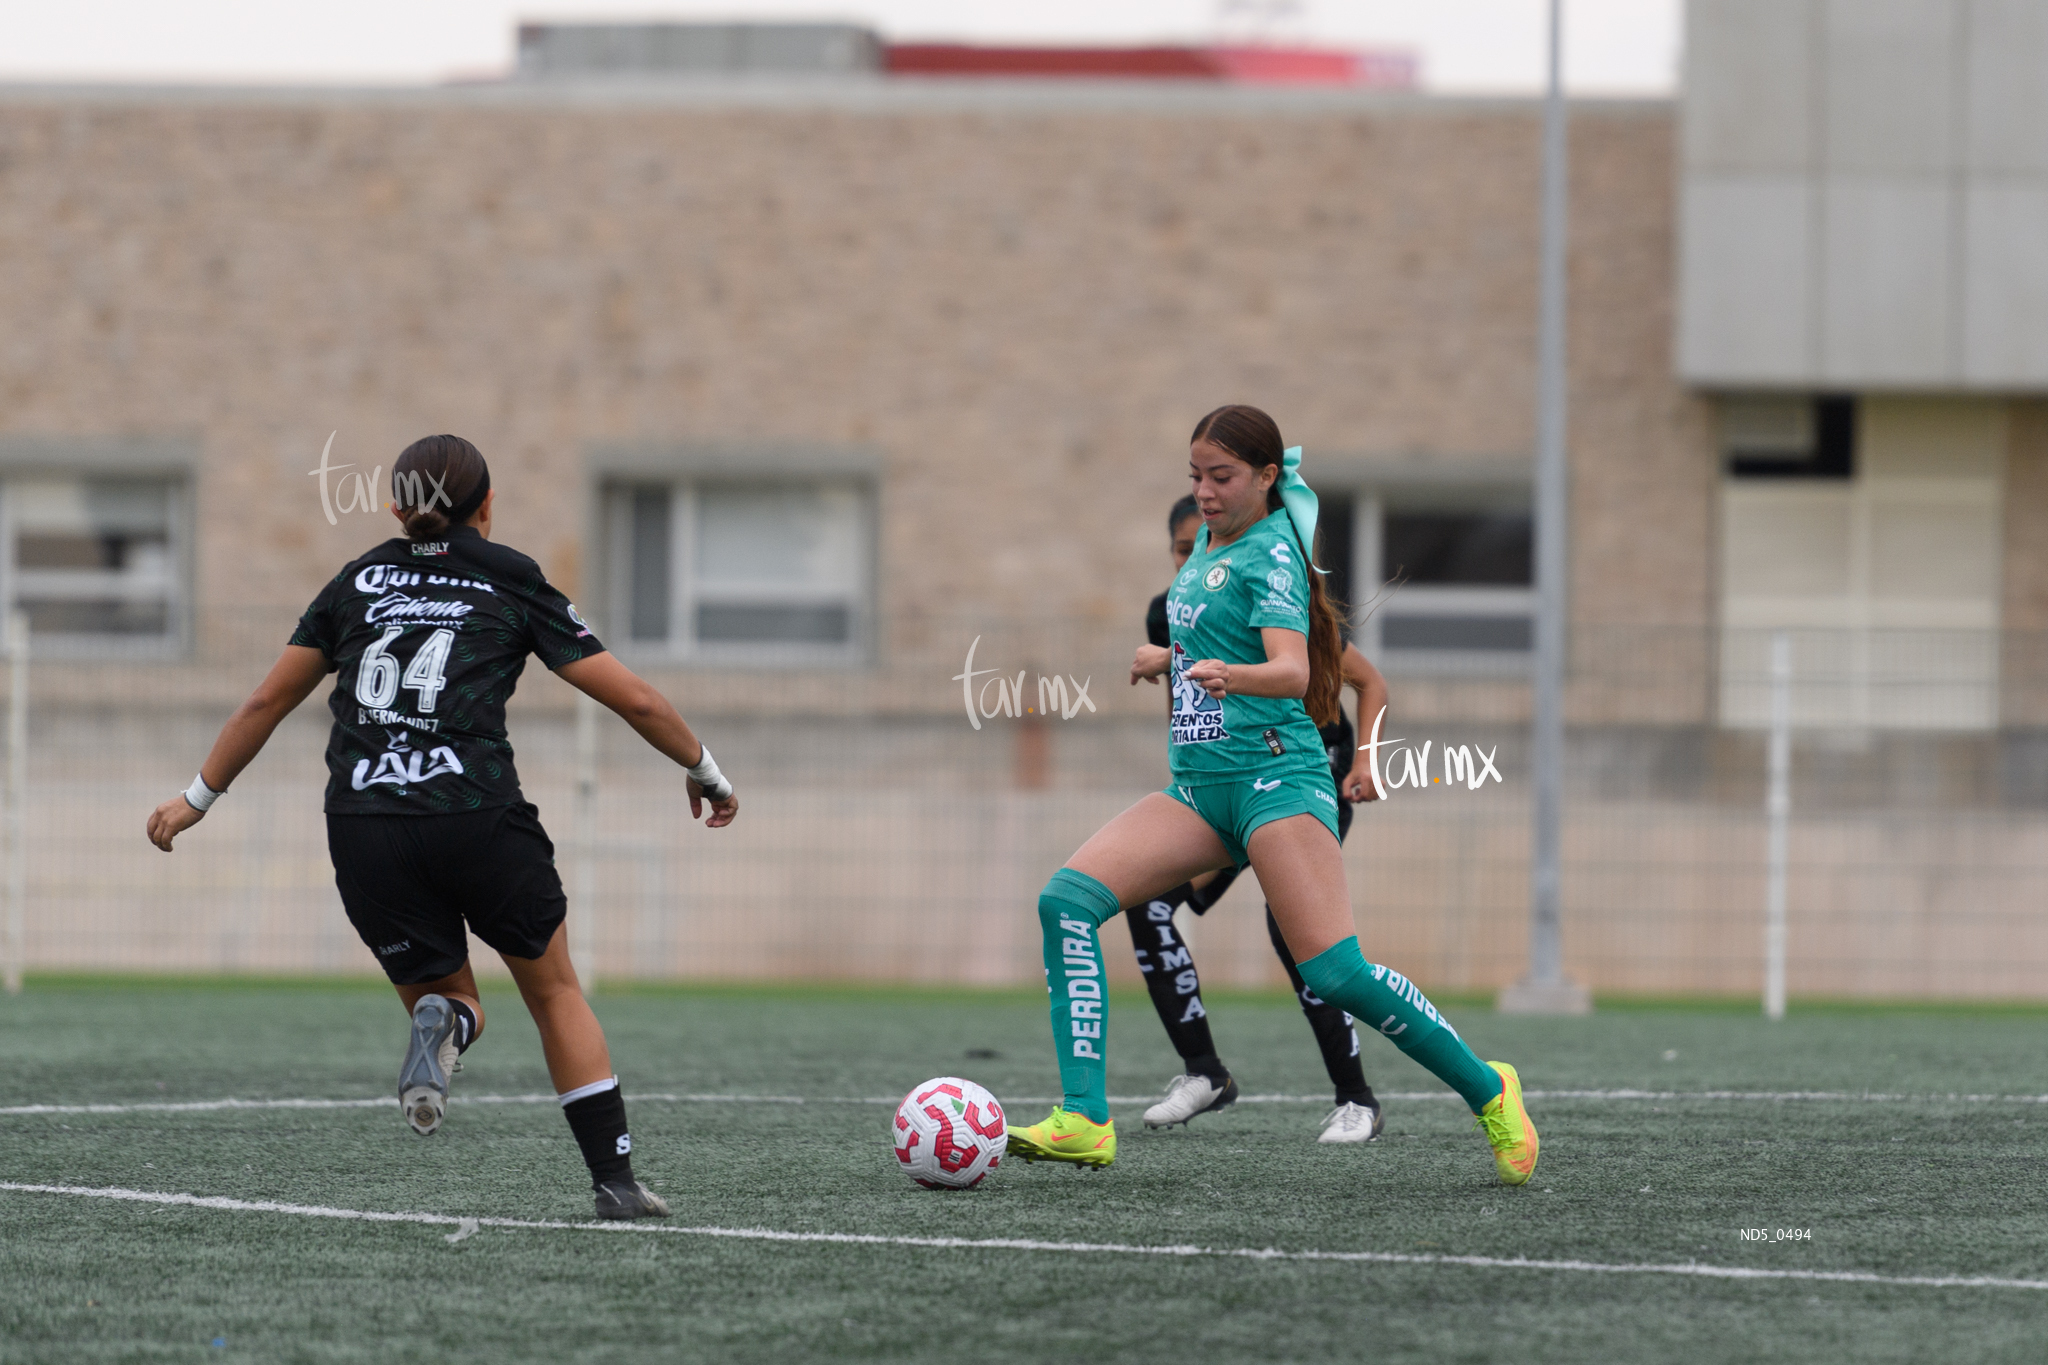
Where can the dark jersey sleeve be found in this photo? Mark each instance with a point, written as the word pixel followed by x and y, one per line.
pixel 555 631
pixel 1155 623
pixel 317 627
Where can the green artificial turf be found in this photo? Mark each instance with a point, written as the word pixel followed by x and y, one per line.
pixel 1915 1187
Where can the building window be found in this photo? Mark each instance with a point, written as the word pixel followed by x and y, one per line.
pixel 709 570
pixel 1880 562
pixel 1448 578
pixel 95 562
pixel 1789 438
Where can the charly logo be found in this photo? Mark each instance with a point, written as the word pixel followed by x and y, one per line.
pixel 1055 695
pixel 1280 552
pixel 1217 576
pixel 403 766
pixel 1470 764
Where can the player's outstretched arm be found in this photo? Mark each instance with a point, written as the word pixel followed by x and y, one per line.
pixel 603 679
pixel 291 680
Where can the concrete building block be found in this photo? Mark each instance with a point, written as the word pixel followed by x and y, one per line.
pixel 1746 298
pixel 1889 85
pixel 2006 94
pixel 2005 284
pixel 1748 85
pixel 1886 295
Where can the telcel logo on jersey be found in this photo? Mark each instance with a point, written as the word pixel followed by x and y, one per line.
pixel 1461 764
pixel 1055 698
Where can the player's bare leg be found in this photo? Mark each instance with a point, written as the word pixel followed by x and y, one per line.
pixel 580 1065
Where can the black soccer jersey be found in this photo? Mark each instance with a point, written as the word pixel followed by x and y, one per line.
pixel 429 639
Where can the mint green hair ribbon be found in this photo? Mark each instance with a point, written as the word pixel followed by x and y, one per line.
pixel 1300 501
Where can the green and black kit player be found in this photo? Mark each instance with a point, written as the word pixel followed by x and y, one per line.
pixel 431 839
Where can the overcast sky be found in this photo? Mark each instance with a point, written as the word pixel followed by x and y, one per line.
pixel 1612 46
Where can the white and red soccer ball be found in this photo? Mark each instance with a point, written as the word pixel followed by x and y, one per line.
pixel 949 1133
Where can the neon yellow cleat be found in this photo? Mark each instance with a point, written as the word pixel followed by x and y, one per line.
pixel 1066 1137
pixel 1508 1128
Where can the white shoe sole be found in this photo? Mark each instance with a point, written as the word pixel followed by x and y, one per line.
pixel 423 1080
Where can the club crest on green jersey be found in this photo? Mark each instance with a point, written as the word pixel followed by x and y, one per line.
pixel 1217 576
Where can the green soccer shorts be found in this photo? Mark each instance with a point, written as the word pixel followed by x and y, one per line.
pixel 1235 808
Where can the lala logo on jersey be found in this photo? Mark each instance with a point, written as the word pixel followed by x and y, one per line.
pixel 401 765
pixel 1197 716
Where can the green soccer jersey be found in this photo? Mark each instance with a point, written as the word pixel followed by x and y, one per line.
pixel 1216 608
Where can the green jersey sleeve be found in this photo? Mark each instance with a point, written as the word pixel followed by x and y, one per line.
pixel 1279 588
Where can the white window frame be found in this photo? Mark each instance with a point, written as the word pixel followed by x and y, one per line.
pixel 681 646
pixel 175 640
pixel 1371 607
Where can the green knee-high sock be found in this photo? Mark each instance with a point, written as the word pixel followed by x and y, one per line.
pixel 1382 998
pixel 1069 909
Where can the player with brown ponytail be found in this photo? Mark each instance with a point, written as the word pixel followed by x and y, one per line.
pixel 1255 663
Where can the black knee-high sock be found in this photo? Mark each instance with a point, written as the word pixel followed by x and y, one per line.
pixel 1333 1029
pixel 1174 984
pixel 598 1119
pixel 466 1027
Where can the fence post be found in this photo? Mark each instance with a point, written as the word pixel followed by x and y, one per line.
pixel 1778 813
pixel 583 919
pixel 17 798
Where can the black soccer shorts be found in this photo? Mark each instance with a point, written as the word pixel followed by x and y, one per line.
pixel 410 882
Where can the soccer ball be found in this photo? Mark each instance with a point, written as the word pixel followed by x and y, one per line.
pixel 949 1133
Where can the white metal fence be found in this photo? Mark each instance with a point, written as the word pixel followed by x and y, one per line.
pixel 885 835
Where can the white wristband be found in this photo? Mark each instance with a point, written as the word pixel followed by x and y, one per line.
pixel 199 796
pixel 707 776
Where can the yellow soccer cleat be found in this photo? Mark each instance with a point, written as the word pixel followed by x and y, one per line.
pixel 1508 1128
pixel 1066 1137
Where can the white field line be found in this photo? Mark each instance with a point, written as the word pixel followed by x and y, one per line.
pixel 637 1097
pixel 465 1225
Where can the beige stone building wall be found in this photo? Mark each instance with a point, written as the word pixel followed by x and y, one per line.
pixel 1020 304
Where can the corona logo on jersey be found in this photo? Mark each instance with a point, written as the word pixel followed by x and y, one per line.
pixel 401 765
pixel 388 577
pixel 1197 716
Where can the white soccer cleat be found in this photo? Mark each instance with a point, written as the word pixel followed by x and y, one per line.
pixel 1187 1096
pixel 1351 1123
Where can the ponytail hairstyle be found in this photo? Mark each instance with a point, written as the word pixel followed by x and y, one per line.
pixel 438 482
pixel 1253 437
